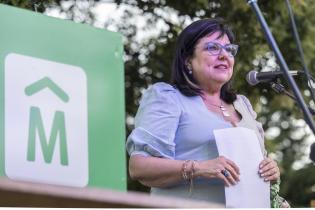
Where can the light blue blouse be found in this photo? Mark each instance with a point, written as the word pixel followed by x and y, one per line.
pixel 171 125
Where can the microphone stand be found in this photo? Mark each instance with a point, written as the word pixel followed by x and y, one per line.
pixel 284 68
pixel 279 88
pixel 282 63
pixel 300 49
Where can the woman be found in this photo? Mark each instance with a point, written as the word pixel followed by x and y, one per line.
pixel 172 147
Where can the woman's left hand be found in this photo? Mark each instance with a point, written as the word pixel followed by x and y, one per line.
pixel 269 170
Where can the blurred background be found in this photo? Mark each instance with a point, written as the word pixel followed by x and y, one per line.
pixel 150 28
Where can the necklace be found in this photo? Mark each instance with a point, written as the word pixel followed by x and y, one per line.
pixel 224 111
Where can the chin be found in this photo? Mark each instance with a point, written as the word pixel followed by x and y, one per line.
pixel 223 79
pixel 222 82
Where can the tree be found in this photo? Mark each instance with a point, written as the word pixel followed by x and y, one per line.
pixel 34 5
pixel 285 138
pixel 148 60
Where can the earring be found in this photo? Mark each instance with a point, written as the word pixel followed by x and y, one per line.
pixel 189 68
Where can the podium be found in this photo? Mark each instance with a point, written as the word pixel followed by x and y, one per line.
pixel 23 194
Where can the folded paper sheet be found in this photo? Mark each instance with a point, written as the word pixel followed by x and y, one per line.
pixel 241 145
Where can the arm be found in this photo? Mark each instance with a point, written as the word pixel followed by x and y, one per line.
pixel 162 172
pixel 151 144
pixel 155 172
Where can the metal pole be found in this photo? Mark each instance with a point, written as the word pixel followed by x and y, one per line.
pixel 282 63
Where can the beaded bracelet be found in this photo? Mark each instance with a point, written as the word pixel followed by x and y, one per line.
pixel 189 175
pixel 184 170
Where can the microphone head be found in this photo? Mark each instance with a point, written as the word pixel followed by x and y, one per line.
pixel 251 78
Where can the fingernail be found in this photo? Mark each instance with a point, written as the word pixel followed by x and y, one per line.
pixel 260 171
pixel 266 180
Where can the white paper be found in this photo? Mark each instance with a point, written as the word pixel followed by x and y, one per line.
pixel 241 145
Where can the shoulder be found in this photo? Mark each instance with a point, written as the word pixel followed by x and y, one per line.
pixel 244 99
pixel 162 87
pixel 158 101
pixel 160 96
pixel 160 90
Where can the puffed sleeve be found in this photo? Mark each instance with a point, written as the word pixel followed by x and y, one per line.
pixel 156 123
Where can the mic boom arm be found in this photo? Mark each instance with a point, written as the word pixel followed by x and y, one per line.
pixel 283 65
pixel 279 88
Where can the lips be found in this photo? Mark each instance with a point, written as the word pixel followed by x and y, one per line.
pixel 221 66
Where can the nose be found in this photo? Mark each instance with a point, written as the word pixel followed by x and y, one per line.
pixel 223 54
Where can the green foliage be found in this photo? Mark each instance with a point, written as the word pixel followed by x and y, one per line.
pixel 286 138
pixel 35 5
pixel 148 60
pixel 301 187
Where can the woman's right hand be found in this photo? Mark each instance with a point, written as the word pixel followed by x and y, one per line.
pixel 216 168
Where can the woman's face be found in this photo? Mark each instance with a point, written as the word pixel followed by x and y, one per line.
pixel 208 69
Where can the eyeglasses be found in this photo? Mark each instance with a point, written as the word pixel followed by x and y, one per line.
pixel 215 48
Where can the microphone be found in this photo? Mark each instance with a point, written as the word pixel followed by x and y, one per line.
pixel 254 77
pixel 312 154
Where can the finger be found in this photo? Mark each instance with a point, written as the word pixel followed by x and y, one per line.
pixel 267 167
pixel 265 162
pixel 232 169
pixel 272 177
pixel 231 179
pixel 235 167
pixel 219 175
pixel 227 183
pixel 234 176
pixel 269 172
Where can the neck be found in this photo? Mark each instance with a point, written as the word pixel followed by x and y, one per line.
pixel 213 89
pixel 213 97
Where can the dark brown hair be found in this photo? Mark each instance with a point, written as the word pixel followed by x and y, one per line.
pixel 185 45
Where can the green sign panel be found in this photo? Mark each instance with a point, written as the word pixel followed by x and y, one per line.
pixel 61 102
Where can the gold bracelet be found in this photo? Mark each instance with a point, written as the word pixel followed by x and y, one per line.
pixel 189 174
pixel 191 177
pixel 184 170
